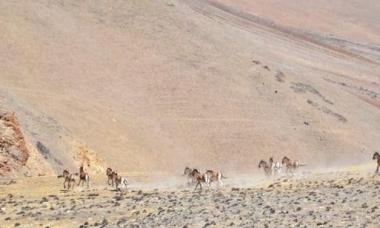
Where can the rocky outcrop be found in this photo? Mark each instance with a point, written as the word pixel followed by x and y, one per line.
pixel 14 153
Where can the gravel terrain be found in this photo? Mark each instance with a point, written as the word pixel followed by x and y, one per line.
pixel 336 199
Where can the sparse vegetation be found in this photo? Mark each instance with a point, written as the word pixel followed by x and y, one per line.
pixel 299 87
pixel 280 77
pixel 327 110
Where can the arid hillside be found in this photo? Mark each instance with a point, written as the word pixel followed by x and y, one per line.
pixel 157 85
pixel 351 20
pixel 349 25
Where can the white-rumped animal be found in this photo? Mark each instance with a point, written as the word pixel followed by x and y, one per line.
pixel 214 176
pixel 290 165
pixel 275 166
pixel 121 183
pixel 83 177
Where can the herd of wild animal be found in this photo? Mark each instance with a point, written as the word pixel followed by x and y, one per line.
pixel 113 179
pixel 273 168
pixel 194 176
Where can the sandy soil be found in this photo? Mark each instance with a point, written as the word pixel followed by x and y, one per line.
pixel 328 199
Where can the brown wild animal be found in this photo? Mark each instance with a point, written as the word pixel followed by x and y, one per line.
pixel 83 177
pixel 266 167
pixel 376 156
pixel 290 166
pixel 115 179
pixel 214 176
pixel 120 182
pixel 200 178
pixel 110 176
pixel 68 178
pixel 188 172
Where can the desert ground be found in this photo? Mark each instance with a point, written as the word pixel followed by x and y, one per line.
pixel 333 198
pixel 149 87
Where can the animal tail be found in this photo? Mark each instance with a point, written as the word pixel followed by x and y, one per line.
pixel 76 174
pixel 59 176
pixel 301 164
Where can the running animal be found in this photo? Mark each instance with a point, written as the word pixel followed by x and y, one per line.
pixel 200 178
pixel 83 177
pixel 376 156
pixel 110 176
pixel 114 176
pixel 214 176
pixel 68 178
pixel 275 166
pixel 118 181
pixel 290 165
pixel 189 174
pixel 121 183
pixel 267 168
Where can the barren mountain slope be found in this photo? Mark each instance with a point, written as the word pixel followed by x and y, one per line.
pixel 354 20
pixel 163 84
pixel 350 25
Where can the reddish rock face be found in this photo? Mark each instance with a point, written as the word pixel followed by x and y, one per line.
pixel 13 150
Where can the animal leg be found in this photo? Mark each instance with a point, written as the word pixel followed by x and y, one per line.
pixel 377 169
pixel 288 171
pixel 196 186
pixel 189 181
pixel 208 181
pixel 220 183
